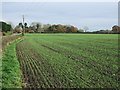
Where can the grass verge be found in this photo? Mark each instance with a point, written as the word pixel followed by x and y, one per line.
pixel 11 73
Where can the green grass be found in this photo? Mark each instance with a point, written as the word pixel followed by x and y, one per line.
pixel 11 73
pixel 69 60
pixel 62 60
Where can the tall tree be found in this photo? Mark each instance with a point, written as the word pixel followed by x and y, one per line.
pixel 25 24
pixel 86 28
pixel 20 25
pixel 36 26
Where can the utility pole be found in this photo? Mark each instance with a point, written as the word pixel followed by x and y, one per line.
pixel 23 27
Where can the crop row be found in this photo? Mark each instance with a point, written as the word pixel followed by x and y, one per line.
pixel 55 78
pixel 90 65
pixel 55 61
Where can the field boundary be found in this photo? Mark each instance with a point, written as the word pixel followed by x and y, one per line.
pixel 11 73
pixel 7 42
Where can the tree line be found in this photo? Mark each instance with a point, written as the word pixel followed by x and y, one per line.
pixel 47 28
pixel 37 27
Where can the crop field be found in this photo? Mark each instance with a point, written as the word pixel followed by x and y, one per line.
pixel 69 60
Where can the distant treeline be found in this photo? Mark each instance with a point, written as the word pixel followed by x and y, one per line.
pixel 47 28
pixel 61 29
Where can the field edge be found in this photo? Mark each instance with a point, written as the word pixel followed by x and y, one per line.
pixel 11 73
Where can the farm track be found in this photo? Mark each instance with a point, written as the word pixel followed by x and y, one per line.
pixel 51 63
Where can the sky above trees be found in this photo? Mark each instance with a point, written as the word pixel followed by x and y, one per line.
pixel 95 15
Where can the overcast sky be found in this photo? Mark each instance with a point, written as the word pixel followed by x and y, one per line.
pixel 95 15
